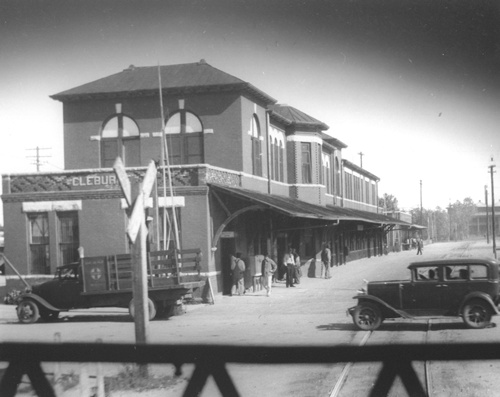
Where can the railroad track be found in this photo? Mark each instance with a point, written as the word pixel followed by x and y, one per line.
pixel 343 386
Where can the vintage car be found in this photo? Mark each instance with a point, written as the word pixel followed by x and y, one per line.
pixel 466 288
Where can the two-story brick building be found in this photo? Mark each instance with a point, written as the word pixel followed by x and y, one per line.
pixel 248 175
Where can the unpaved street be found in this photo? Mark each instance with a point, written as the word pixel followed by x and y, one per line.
pixel 314 313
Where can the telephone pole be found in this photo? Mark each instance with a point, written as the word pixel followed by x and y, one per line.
pixel 493 232
pixel 37 157
pixel 487 215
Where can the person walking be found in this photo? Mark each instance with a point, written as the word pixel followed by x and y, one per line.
pixel 268 269
pixel 289 262
pixel 420 245
pixel 237 273
pixel 326 258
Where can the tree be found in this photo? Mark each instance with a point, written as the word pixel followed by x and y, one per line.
pixel 388 202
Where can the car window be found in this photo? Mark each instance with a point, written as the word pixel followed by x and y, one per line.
pixel 426 273
pixel 478 272
pixel 456 272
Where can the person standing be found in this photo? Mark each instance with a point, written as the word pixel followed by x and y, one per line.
pixel 326 258
pixel 268 269
pixel 289 262
pixel 420 245
pixel 297 270
pixel 238 274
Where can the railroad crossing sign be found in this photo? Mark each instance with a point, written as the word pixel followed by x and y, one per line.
pixel 137 215
pixel 137 227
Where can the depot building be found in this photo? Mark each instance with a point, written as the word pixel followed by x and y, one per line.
pixel 244 174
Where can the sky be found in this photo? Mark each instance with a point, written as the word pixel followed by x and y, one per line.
pixel 412 85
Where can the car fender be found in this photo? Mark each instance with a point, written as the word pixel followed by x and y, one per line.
pixel 398 312
pixel 478 295
pixel 40 301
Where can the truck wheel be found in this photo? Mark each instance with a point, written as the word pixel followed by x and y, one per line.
pixel 28 312
pixel 151 309
pixel 367 316
pixel 476 314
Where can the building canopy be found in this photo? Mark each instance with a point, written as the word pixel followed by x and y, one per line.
pixel 300 209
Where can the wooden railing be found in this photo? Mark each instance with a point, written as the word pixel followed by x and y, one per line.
pixel 211 360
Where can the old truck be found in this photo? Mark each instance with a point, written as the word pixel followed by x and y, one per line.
pixel 106 281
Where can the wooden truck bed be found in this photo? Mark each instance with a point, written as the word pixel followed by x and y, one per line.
pixel 115 272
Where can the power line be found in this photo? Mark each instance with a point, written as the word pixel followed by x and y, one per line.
pixel 37 157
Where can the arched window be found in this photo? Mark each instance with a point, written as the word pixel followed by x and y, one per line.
pixel 256 146
pixel 185 138
pixel 120 137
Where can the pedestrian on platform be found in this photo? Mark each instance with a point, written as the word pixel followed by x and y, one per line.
pixel 326 258
pixel 237 274
pixel 268 269
pixel 289 262
pixel 297 270
pixel 420 246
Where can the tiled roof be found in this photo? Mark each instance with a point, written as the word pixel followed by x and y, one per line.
pixel 292 115
pixel 189 77
pixel 300 209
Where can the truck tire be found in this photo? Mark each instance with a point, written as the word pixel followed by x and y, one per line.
pixel 151 309
pixel 28 312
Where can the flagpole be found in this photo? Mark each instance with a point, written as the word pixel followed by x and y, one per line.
pixel 165 161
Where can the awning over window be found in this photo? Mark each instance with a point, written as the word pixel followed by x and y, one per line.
pixel 300 209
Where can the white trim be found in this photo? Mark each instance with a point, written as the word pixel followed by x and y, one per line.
pixel 156 134
pixel 95 137
pixel 144 135
pixel 118 108
pixel 305 138
pixel 208 131
pixel 47 206
pixel 164 202
pixel 307 185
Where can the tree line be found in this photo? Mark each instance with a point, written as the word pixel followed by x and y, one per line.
pixel 443 224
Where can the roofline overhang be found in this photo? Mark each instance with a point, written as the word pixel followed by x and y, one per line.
pixel 245 87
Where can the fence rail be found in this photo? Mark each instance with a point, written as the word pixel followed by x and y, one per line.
pixel 26 358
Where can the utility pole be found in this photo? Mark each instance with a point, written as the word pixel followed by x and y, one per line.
pixel 37 157
pixel 493 230
pixel 421 210
pixel 487 217
pixel 361 154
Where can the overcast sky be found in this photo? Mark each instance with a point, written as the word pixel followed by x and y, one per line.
pixel 413 85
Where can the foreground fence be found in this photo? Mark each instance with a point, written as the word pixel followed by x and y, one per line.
pixel 210 360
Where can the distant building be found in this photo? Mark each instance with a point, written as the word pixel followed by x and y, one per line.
pixel 248 175
pixel 482 220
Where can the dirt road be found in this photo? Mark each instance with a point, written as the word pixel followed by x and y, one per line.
pixel 313 313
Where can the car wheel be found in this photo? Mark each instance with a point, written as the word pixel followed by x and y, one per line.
pixel 367 316
pixel 476 314
pixel 28 312
pixel 151 309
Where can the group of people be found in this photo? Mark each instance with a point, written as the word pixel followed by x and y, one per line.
pixel 269 270
pixel 238 268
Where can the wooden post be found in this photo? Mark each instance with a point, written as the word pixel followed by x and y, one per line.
pixel 139 285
